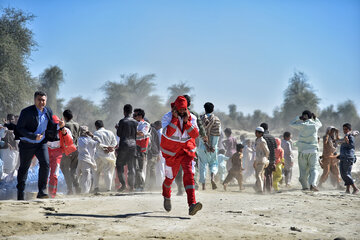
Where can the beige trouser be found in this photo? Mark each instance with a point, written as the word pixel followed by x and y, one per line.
pixel 330 164
pixel 259 175
pixel 105 167
pixel 85 171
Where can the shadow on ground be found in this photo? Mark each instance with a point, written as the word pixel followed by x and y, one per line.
pixel 127 215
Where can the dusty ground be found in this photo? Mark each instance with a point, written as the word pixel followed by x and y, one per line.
pixel 225 215
pixel 291 214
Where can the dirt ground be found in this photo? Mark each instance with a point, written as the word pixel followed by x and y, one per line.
pixel 291 214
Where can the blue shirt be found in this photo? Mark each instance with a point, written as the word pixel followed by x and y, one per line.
pixel 347 150
pixel 42 125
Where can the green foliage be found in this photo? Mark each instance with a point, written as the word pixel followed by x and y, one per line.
pixel 85 112
pixel 179 89
pixel 135 90
pixel 50 81
pixel 16 43
pixel 298 96
pixel 346 112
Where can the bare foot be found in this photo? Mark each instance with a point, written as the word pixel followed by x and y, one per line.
pixel 356 190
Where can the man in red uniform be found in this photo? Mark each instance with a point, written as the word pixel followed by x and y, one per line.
pixel 178 148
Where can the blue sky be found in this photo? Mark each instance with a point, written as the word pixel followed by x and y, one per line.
pixel 240 52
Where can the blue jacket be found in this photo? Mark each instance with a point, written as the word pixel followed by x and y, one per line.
pixel 347 150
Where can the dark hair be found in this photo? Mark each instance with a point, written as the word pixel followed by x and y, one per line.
pixel 222 151
pixel 209 107
pixel 262 134
pixel 139 112
pixel 308 113
pixel 287 134
pixel 68 114
pixel 265 126
pixel 39 93
pixel 10 116
pixel 228 130
pixel 239 146
pixel 188 99
pixel 99 124
pixel 347 125
pixel 157 124
pixel 128 109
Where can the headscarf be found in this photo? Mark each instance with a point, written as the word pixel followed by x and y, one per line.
pixel 279 152
pixel 83 130
pixel 180 103
pixel 329 129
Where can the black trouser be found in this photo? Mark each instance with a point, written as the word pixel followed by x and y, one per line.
pixel 268 177
pixel 27 152
pixel 126 156
pixel 140 169
pixel 68 167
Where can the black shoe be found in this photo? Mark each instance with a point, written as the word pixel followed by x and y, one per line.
pixel 305 189
pixel 213 185
pixel 313 188
pixel 167 204
pixel 20 196
pixel 42 196
pixel 96 190
pixel 123 187
pixel 194 208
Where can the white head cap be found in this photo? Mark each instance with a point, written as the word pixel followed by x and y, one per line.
pixel 260 129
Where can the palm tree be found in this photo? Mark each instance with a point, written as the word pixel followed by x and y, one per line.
pixel 178 90
pixel 50 81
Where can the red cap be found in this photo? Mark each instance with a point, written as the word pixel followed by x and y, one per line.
pixel 180 102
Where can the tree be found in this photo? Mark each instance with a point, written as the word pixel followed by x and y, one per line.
pixel 85 112
pixel 232 111
pixel 60 106
pixel 16 43
pixel 347 112
pixel 298 96
pixel 329 116
pixel 176 90
pixel 50 81
pixel 135 90
pixel 259 117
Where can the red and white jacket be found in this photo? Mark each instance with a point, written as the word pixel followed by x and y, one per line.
pixel 178 137
pixel 143 141
pixel 65 142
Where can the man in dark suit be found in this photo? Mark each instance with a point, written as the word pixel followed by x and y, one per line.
pixel 35 127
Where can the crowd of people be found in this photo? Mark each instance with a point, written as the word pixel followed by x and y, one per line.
pixel 183 146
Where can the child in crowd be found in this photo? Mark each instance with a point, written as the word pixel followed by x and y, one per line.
pixel 230 146
pixel 261 160
pixel 222 164
pixel 236 169
pixel 61 142
pixel 248 159
pixel 347 158
pixel 286 145
pixel 279 163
